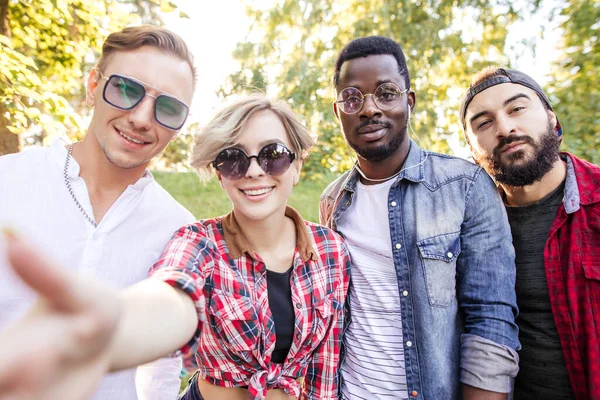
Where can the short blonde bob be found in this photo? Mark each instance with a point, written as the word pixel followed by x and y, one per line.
pixel 228 125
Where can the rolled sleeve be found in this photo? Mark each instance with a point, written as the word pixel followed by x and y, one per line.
pixel 187 259
pixel 487 365
pixel 486 291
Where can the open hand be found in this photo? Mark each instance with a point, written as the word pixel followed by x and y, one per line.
pixel 61 348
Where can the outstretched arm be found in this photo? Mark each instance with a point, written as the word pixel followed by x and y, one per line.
pixel 81 328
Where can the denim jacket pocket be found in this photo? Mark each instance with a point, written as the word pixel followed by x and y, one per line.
pixel 235 320
pixel 438 256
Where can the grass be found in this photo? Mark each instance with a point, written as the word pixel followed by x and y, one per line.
pixel 209 200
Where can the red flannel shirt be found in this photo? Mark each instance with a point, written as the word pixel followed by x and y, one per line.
pixel 213 262
pixel 572 261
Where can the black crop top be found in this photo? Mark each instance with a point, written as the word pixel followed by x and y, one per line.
pixel 280 303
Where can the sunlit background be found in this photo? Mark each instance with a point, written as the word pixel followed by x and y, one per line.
pixel 287 49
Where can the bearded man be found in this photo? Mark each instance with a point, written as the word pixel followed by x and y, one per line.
pixel 553 205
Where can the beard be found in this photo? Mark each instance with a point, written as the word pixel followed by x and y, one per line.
pixel 381 151
pixel 516 171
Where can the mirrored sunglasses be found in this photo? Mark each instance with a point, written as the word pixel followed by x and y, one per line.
pixel 386 97
pixel 233 163
pixel 126 93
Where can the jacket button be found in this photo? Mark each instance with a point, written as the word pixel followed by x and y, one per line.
pixel 393 204
pixel 414 393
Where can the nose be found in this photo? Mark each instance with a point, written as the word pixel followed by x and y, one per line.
pixel 254 170
pixel 369 108
pixel 142 115
pixel 505 126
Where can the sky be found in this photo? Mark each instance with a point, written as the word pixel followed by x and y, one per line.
pixel 212 32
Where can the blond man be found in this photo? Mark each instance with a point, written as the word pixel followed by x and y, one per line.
pixel 93 205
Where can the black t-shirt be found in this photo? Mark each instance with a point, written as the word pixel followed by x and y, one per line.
pixel 542 369
pixel 280 303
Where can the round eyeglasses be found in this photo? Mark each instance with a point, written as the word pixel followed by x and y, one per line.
pixel 386 96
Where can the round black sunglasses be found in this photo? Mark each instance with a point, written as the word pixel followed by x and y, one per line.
pixel 233 163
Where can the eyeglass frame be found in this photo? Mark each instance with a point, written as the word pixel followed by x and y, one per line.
pixel 363 96
pixel 146 93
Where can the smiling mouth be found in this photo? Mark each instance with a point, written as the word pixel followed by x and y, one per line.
pixel 257 192
pixel 129 138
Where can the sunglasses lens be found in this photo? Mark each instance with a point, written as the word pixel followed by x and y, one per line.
pixel 275 159
pixel 170 112
pixel 123 93
pixel 232 163
pixel 350 100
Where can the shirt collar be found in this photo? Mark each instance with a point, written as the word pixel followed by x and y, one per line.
pixel 571 200
pixel 238 244
pixel 58 149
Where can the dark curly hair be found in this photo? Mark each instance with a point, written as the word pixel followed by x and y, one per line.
pixel 369 46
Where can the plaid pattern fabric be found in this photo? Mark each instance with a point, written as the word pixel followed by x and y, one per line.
pixel 236 331
pixel 572 258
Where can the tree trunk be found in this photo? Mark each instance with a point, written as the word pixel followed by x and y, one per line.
pixel 9 142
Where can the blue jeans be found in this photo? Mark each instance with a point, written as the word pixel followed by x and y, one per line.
pixel 192 392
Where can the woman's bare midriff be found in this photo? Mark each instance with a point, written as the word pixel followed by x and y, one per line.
pixel 214 392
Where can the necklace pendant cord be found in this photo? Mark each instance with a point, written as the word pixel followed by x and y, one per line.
pixel 70 189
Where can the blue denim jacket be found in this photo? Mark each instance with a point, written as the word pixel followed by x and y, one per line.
pixel 455 266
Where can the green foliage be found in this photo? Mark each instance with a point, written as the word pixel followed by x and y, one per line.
pixel 291 49
pixel 176 154
pixel 576 85
pixel 48 47
pixel 209 200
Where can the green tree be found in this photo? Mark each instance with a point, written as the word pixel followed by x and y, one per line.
pixel 46 46
pixel 576 85
pixel 291 49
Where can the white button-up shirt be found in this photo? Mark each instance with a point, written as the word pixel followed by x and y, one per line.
pixel 35 202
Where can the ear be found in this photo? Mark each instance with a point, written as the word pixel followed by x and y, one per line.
pixel 92 84
pixel 335 111
pixel 412 100
pixel 297 165
pixel 220 178
pixel 555 123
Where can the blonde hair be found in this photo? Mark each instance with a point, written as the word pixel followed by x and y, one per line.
pixel 228 125
pixel 485 74
pixel 134 37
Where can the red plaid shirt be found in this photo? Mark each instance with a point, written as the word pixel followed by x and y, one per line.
pixel 572 260
pixel 212 261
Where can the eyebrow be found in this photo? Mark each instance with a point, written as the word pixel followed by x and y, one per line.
pixel 506 102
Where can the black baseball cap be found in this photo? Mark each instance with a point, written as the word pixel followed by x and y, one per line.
pixel 505 76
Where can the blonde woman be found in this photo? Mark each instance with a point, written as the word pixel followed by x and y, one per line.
pixel 260 291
